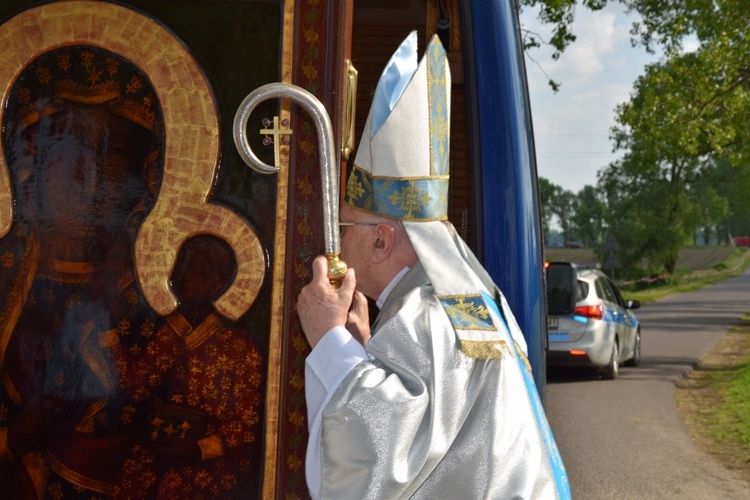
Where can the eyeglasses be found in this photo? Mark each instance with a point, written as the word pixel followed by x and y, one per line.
pixel 358 223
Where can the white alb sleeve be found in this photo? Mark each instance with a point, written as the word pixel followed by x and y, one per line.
pixel 335 355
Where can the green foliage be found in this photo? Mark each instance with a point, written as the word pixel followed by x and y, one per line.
pixel 685 131
pixel 726 423
pixel 734 184
pixel 589 216
pixel 667 23
pixel 546 193
pixel 690 106
pixel 684 113
pixel 558 202
pixel 650 214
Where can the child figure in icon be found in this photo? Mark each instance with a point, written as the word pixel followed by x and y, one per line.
pixel 204 439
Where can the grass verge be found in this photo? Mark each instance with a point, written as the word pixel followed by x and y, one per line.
pixel 714 400
pixel 687 281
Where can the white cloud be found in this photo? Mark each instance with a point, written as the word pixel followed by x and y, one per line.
pixel 572 138
pixel 690 45
pixel 597 72
pixel 587 56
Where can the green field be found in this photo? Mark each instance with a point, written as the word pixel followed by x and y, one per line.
pixel 693 259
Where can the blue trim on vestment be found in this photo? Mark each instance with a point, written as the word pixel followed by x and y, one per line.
pixel 468 312
pixel 553 453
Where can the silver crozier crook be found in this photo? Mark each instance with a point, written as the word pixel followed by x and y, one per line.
pixel 329 177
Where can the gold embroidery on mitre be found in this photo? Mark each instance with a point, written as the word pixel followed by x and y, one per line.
pixel 410 199
pixel 419 198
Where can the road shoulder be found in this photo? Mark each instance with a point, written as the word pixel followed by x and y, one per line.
pixel 697 400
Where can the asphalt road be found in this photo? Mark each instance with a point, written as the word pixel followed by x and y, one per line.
pixel 623 439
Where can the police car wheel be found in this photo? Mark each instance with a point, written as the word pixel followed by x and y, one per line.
pixel 612 370
pixel 636 359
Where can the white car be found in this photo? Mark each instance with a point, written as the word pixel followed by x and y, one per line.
pixel 589 323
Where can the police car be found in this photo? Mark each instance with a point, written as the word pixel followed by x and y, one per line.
pixel 589 323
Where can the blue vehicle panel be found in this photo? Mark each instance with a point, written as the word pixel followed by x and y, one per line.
pixel 511 247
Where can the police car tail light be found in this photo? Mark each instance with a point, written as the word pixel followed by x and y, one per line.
pixel 592 312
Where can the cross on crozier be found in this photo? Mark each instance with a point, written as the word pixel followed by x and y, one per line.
pixel 277 134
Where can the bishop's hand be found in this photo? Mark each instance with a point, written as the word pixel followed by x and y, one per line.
pixel 321 306
pixel 358 321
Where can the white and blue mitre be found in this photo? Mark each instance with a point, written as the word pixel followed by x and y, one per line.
pixel 401 171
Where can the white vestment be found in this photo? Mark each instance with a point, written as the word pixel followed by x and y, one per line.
pixel 411 415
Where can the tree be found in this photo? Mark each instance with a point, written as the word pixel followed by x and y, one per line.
pixel 654 209
pixel 546 193
pixel 734 184
pixel 560 203
pixel 686 107
pixel 684 112
pixel 703 95
pixel 589 216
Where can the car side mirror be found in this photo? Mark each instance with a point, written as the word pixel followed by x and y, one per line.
pixel 633 304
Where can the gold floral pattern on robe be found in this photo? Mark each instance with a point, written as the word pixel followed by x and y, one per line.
pixel 219 375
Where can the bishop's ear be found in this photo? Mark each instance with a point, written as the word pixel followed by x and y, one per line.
pixel 385 241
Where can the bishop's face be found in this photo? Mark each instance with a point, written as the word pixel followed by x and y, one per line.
pixel 357 242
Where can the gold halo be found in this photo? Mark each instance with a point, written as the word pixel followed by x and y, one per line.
pixel 191 127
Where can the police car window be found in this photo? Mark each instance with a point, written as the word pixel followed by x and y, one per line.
pixel 616 293
pixel 582 291
pixel 599 290
pixel 606 291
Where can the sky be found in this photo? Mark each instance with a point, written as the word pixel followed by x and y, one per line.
pixel 597 72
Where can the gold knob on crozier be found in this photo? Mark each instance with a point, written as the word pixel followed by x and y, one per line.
pixel 337 269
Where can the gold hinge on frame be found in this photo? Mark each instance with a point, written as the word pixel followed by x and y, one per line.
pixel 350 108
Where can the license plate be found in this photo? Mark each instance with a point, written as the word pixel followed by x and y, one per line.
pixel 551 323
pixel 559 337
